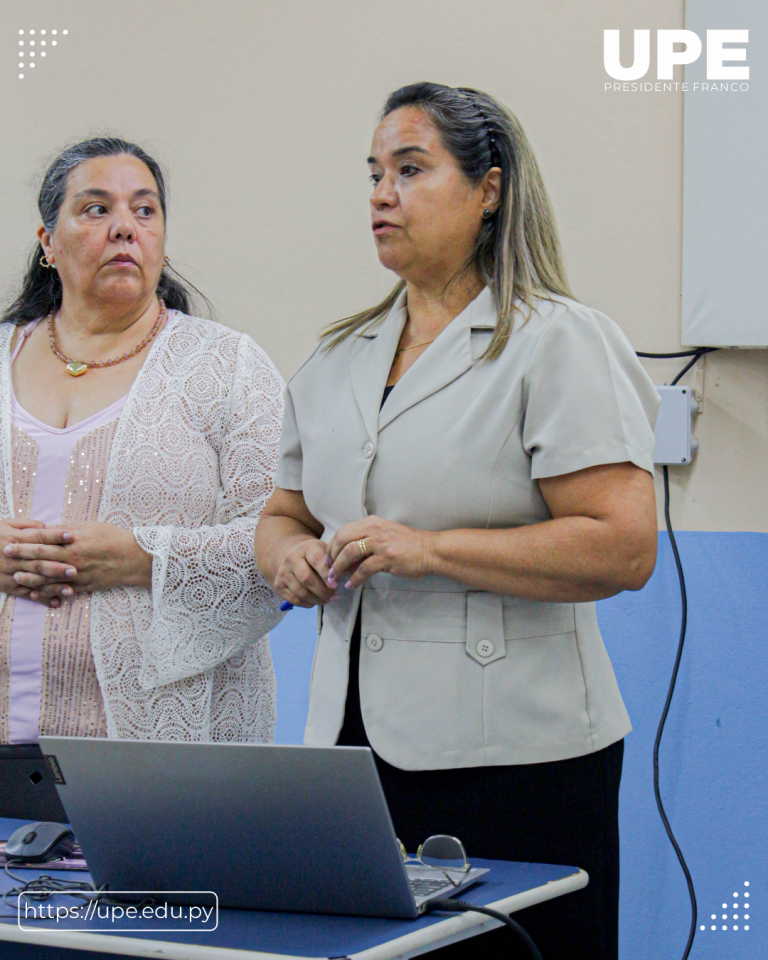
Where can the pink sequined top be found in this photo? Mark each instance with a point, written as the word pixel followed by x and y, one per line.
pixel 55 470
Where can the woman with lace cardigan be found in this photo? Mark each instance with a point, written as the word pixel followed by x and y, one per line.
pixel 138 449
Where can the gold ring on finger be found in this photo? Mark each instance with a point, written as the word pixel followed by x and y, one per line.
pixel 363 548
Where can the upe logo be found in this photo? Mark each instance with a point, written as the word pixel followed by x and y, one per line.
pixel 667 57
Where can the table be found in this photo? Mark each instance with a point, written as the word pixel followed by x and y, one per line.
pixel 260 935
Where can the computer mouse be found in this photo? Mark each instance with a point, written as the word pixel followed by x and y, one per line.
pixel 40 842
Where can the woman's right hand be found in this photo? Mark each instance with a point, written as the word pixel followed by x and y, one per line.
pixel 301 576
pixel 8 534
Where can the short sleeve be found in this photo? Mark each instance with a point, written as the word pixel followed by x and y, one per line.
pixel 290 460
pixel 587 399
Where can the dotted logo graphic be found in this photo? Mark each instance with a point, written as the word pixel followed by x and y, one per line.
pixel 34 44
pixel 740 904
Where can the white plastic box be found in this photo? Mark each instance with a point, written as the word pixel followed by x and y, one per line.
pixel 675 443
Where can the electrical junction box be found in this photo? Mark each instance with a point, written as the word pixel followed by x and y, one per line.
pixel 675 443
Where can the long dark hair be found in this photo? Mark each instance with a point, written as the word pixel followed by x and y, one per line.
pixel 41 290
pixel 517 251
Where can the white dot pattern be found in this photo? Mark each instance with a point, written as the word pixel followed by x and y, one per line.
pixel 735 916
pixel 32 43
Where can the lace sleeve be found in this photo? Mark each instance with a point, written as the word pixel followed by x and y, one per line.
pixel 209 600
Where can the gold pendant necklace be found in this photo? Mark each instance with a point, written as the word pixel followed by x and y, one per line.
pixel 76 368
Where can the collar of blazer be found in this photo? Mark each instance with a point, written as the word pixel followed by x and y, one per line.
pixel 446 359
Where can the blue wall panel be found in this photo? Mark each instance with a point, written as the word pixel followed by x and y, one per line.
pixel 714 756
pixel 293 647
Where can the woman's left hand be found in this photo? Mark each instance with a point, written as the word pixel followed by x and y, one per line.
pixel 103 557
pixel 389 548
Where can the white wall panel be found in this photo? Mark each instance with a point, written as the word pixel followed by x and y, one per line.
pixel 725 204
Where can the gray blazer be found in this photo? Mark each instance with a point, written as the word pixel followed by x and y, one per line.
pixel 450 676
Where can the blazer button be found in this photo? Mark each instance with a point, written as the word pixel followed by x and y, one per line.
pixel 485 648
pixel 368 450
pixel 374 642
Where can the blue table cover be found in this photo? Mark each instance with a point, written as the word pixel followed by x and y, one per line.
pixel 302 934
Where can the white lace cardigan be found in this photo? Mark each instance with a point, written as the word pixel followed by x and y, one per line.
pixel 191 467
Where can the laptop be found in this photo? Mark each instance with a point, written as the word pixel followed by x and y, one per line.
pixel 266 827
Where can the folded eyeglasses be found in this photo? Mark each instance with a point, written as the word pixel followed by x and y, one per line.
pixel 442 853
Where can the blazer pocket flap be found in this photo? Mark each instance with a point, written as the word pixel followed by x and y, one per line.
pixel 485 627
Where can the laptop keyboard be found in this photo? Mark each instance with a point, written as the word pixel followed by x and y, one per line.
pixel 423 888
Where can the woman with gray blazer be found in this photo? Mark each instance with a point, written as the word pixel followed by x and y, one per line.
pixel 464 470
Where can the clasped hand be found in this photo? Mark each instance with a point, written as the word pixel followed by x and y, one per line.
pixel 312 571
pixel 47 564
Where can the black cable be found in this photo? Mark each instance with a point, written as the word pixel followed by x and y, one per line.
pixel 463 906
pixel 696 355
pixel 39 889
pixel 42 888
pixel 698 352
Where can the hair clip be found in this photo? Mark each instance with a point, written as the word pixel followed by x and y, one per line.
pixel 489 132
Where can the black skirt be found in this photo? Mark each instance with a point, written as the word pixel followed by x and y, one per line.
pixel 565 811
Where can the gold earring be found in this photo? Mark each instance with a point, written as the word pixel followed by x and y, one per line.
pixel 167 260
pixel 44 262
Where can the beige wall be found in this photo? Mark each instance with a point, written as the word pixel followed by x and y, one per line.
pixel 263 111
